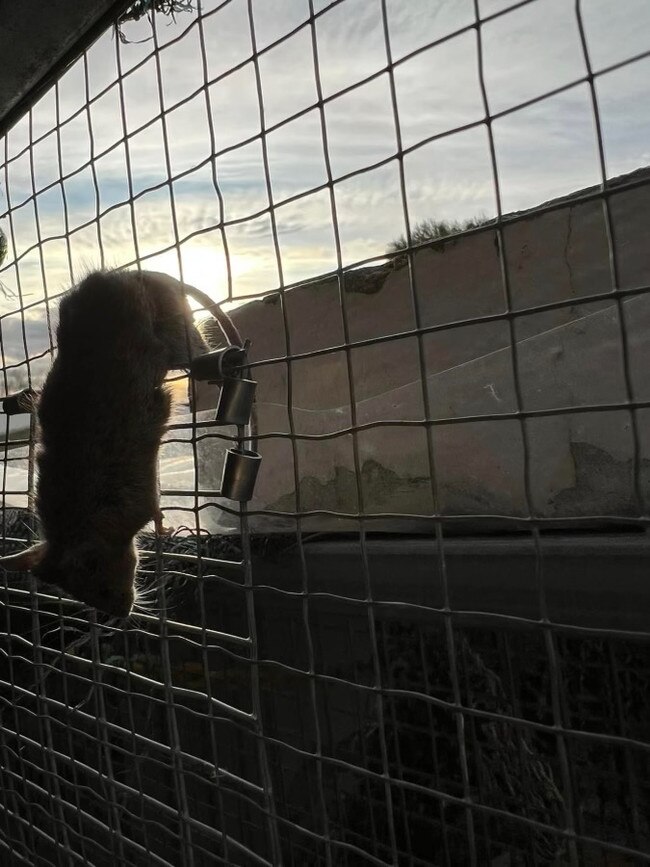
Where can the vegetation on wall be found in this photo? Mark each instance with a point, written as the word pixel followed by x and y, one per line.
pixel 145 8
pixel 432 229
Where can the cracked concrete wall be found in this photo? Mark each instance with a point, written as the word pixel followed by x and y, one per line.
pixel 581 463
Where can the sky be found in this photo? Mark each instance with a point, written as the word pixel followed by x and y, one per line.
pixel 543 150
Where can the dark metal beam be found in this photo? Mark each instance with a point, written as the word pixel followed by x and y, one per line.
pixel 39 40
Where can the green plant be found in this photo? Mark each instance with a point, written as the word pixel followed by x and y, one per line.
pixel 432 229
pixel 144 8
pixel 3 246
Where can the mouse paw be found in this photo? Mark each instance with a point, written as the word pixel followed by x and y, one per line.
pixel 161 529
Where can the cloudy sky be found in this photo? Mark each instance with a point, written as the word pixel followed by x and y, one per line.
pixel 543 150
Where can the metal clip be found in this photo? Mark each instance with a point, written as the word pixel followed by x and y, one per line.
pixel 235 401
pixel 219 364
pixel 239 474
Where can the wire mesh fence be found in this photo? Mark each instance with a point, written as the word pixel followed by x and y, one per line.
pixel 425 641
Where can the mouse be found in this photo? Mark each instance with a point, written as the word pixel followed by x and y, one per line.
pixel 101 416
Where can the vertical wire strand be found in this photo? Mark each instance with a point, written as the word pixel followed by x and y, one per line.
pixel 214 746
pixel 131 717
pixel 271 806
pixel 41 708
pixel 7 609
pixel 48 321
pixel 224 840
pixel 613 263
pixel 105 758
pixel 64 195
pixel 379 701
pixel 304 575
pixel 442 565
pixel 172 719
pixel 213 150
pixel 69 712
pixel 93 162
pixel 622 318
pixel 549 637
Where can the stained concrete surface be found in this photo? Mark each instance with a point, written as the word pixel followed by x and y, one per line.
pixel 567 358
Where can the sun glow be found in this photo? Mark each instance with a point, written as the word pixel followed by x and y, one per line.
pixel 202 266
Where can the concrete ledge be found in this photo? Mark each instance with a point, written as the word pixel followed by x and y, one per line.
pixel 590 581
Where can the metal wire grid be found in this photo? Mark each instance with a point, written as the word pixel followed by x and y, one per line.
pixel 201 736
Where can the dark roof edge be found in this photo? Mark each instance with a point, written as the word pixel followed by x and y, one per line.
pixel 86 37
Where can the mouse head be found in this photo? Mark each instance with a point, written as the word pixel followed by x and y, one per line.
pixel 173 319
pixel 101 577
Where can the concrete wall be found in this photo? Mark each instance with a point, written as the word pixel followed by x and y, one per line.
pixel 580 463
